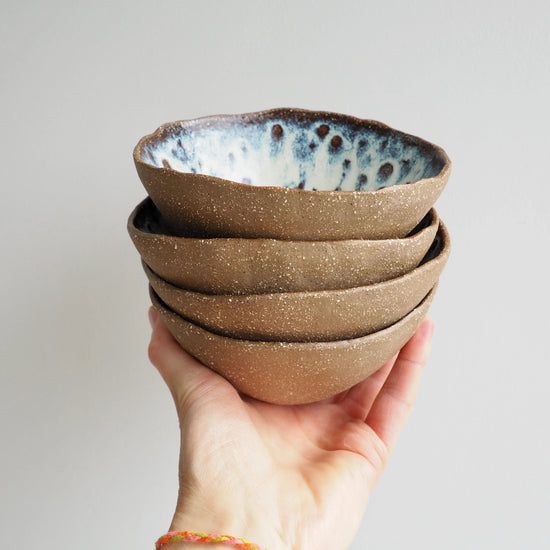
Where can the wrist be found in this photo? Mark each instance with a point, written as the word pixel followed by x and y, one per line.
pixel 194 546
pixel 236 524
pixel 182 539
pixel 229 511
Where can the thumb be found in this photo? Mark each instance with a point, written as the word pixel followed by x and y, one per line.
pixel 183 374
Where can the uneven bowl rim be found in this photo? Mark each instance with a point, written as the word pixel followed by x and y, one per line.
pixel 131 227
pixel 300 346
pixel 166 127
pixel 442 256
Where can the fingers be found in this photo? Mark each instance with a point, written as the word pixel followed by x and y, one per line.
pixel 358 400
pixel 391 408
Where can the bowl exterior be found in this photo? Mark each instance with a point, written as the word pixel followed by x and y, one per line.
pixel 307 316
pixel 260 266
pixel 290 372
pixel 196 203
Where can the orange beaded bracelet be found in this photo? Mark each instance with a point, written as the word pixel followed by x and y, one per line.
pixel 190 536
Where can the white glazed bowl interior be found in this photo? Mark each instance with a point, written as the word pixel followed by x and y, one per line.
pixel 295 149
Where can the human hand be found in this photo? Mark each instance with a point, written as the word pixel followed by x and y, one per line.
pixel 285 477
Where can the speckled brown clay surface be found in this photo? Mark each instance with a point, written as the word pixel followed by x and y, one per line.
pixel 293 372
pixel 309 316
pixel 259 266
pixel 290 174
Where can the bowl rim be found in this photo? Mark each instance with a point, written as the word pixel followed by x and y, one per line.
pixel 435 220
pixel 163 129
pixel 300 346
pixel 441 256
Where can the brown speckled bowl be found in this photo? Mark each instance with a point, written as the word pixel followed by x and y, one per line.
pixel 309 316
pixel 259 266
pixel 290 174
pixel 292 372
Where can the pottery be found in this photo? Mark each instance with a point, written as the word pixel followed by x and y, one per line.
pixel 308 316
pixel 259 266
pixel 290 174
pixel 292 372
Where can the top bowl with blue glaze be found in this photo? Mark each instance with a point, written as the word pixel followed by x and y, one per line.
pixel 290 174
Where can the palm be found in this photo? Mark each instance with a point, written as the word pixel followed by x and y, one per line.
pixel 325 457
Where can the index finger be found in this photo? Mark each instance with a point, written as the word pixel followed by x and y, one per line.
pixel 391 408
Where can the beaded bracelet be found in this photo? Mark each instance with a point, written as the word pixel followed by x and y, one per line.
pixel 190 536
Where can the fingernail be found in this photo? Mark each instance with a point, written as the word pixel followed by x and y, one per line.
pixel 153 316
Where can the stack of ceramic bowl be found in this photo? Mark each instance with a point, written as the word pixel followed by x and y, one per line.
pixel 293 252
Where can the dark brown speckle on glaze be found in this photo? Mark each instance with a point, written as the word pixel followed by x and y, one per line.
pixel 335 144
pixel 277 132
pixel 322 131
pixel 385 171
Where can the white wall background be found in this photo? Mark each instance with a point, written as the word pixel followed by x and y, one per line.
pixel 89 437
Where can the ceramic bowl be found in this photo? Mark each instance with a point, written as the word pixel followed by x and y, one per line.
pixel 309 316
pixel 292 372
pixel 258 266
pixel 290 174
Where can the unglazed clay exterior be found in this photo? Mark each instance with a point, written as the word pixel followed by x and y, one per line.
pixel 260 266
pixel 292 372
pixel 290 174
pixel 309 316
